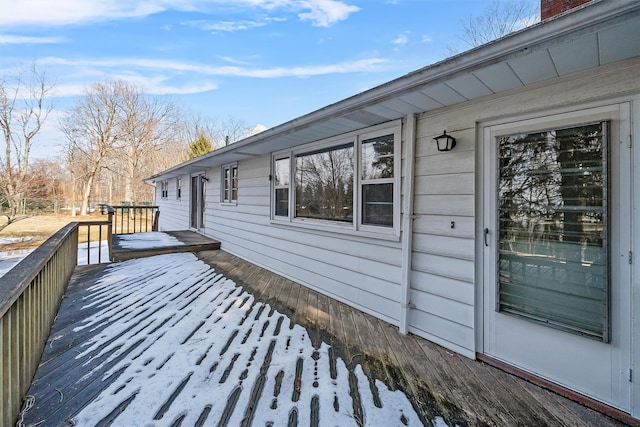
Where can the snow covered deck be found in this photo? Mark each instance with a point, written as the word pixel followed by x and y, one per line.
pixel 180 339
pixel 138 245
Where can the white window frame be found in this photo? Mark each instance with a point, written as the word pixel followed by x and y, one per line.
pixel 233 199
pixel 356 227
pixel 276 187
pixel 164 190
pixel 179 188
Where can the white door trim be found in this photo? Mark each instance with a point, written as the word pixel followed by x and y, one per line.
pixel 621 239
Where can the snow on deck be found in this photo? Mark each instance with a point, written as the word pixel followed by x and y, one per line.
pixel 152 239
pixel 167 340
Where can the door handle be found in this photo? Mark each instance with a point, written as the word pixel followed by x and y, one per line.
pixel 486 233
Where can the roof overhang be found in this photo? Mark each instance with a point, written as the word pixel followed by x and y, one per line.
pixel 593 35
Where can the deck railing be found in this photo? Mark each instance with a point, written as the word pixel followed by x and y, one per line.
pixel 129 219
pixel 98 232
pixel 30 295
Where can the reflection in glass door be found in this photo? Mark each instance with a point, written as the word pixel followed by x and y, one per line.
pixel 552 218
pixel 197 204
pixel 556 281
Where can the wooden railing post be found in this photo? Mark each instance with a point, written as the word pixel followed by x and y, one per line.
pixel 29 301
pixel 110 233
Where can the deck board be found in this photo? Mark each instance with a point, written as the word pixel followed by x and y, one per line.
pixel 437 383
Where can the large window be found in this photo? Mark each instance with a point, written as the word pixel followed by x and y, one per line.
pixel 324 184
pixel 553 226
pixel 348 183
pixel 230 183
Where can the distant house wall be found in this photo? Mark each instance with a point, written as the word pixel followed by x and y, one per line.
pixel 174 212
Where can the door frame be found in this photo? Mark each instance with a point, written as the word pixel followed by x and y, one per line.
pixel 485 272
pixel 197 199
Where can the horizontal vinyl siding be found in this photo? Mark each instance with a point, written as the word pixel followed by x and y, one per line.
pixel 174 214
pixel 364 273
pixel 442 291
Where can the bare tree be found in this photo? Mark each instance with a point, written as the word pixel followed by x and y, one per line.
pixel 499 19
pixel 146 125
pixel 23 110
pixel 92 132
pixel 216 132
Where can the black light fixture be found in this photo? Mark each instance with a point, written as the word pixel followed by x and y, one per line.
pixel 445 142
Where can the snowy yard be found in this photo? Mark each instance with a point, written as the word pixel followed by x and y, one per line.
pixel 9 259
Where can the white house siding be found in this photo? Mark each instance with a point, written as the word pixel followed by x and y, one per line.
pixel 174 214
pixel 444 271
pixel 362 272
pixel 366 273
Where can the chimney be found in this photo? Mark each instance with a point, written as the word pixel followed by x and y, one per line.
pixel 550 8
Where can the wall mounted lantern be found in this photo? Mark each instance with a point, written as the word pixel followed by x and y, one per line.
pixel 445 142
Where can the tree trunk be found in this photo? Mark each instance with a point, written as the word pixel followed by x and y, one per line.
pixel 87 194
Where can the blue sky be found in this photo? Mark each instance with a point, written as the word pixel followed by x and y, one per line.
pixel 264 62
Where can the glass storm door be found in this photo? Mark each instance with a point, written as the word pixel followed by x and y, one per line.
pixel 557 217
pixel 197 203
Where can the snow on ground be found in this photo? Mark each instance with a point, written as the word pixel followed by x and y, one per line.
pixel 92 256
pixel 12 239
pixel 148 240
pixel 197 334
pixel 8 259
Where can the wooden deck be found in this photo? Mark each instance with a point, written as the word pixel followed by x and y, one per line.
pixel 187 241
pixel 78 370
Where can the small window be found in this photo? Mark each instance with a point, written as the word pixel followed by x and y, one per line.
pixel 229 183
pixel 178 188
pixel 281 185
pixel 164 190
pixel 377 178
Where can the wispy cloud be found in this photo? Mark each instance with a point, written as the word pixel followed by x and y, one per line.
pixel 369 64
pixel 150 85
pixel 66 12
pixel 232 26
pixel 235 61
pixel 426 39
pixel 69 12
pixel 402 39
pixel 13 39
pixel 323 13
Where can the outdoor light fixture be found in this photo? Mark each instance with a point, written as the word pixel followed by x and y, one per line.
pixel 204 178
pixel 445 142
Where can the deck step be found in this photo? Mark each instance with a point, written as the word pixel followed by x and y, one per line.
pixel 187 241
